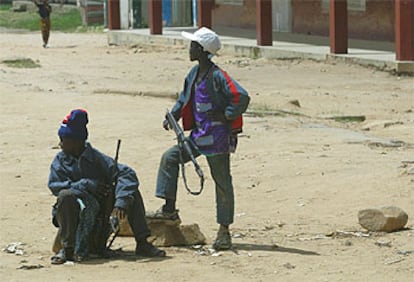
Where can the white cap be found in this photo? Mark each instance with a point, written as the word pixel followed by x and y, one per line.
pixel 206 38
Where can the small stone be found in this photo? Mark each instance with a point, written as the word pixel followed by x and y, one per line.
pixel 237 235
pixel 295 103
pixel 69 263
pixel 19 252
pixel 289 266
pixel 403 252
pixel 348 243
pixel 31 266
pixel 383 243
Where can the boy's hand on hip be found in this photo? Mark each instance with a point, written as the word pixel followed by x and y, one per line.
pixel 217 116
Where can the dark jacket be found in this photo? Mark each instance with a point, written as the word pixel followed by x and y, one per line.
pixel 44 9
pixel 223 90
pixel 85 174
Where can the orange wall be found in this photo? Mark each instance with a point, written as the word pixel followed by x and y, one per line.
pixel 235 15
pixel 376 23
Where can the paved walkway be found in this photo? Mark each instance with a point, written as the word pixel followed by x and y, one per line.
pixel 242 43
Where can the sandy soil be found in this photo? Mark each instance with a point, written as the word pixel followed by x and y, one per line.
pixel 300 178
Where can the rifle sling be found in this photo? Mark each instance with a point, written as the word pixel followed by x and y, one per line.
pixel 185 178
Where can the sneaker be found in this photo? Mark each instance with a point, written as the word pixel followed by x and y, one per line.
pixel 223 240
pixel 169 218
pixel 147 249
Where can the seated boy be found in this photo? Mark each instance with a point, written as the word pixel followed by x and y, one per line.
pixel 79 178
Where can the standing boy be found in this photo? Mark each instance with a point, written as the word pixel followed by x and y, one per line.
pixel 211 106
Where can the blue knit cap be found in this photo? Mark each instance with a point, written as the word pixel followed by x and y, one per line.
pixel 74 125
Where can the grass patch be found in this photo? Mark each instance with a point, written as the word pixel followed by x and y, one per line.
pixel 21 63
pixel 61 19
pixel 262 110
pixel 345 119
pixel 5 7
pixel 66 21
pixel 90 28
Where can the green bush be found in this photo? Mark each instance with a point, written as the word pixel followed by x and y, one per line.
pixel 66 21
pixel 61 19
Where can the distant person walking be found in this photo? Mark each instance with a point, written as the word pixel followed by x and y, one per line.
pixel 44 11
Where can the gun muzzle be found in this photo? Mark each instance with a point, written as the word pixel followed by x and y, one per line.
pixel 114 221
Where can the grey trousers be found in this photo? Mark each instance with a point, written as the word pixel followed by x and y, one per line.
pixel 220 171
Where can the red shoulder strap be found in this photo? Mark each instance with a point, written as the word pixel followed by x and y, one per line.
pixel 237 124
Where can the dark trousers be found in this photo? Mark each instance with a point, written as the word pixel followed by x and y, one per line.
pixel 67 217
pixel 136 217
pixel 45 27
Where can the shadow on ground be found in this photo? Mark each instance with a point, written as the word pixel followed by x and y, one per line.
pixel 272 248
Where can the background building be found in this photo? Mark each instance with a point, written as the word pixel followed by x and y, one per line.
pixel 367 19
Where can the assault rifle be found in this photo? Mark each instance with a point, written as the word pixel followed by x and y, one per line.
pixel 113 220
pixel 185 147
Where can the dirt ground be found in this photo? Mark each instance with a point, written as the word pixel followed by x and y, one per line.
pixel 300 177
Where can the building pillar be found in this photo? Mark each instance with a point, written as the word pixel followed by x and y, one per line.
pixel 338 26
pixel 204 11
pixel 404 30
pixel 264 22
pixel 155 16
pixel 114 21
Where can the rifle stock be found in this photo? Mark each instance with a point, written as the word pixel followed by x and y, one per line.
pixel 103 227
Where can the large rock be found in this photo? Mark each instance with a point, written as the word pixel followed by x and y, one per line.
pixel 172 235
pixel 386 219
pixel 124 228
pixel 166 235
pixel 23 6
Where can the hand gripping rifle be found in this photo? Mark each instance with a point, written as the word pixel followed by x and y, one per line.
pixel 113 220
pixel 185 147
